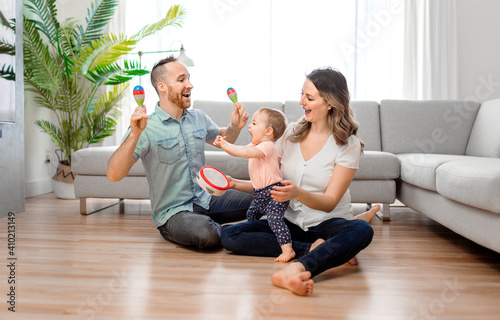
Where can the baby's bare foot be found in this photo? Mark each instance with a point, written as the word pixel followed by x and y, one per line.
pixel 287 253
pixel 285 256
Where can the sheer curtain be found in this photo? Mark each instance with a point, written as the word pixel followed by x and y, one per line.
pixel 430 50
pixel 376 58
pixel 117 26
pixel 387 49
pixel 7 87
pixel 264 48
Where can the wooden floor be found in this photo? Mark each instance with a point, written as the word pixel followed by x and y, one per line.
pixel 117 266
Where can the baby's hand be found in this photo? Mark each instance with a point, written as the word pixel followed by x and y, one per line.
pixel 219 141
pixel 231 182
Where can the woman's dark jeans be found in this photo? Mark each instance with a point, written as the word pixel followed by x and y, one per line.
pixel 343 240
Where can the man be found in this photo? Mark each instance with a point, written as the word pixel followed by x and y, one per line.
pixel 171 144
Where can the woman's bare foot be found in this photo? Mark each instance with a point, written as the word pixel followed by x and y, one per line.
pixel 287 255
pixel 315 244
pixel 294 278
pixel 368 215
pixel 353 262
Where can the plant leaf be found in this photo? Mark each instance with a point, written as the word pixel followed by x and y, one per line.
pixel 174 17
pixel 50 129
pixel 9 25
pixel 106 50
pixel 43 97
pixel 7 73
pixel 115 74
pixel 67 35
pixel 7 48
pixel 46 12
pixel 98 16
pixel 101 121
pixel 109 48
pixel 44 67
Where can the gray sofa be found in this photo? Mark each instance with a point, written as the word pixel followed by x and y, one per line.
pixel 440 158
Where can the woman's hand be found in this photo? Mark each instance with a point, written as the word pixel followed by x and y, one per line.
pixel 285 193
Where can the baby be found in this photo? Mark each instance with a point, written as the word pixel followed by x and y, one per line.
pixel 267 126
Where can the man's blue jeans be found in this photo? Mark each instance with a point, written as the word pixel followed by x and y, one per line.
pixel 201 228
pixel 343 240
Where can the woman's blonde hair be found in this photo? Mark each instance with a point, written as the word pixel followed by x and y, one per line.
pixel 332 87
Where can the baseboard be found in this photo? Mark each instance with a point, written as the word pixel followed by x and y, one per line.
pixel 37 187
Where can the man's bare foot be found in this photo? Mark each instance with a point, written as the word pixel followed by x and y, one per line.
pixel 287 255
pixel 368 215
pixel 294 278
pixel 353 262
pixel 315 244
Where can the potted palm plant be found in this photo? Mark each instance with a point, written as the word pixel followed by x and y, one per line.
pixel 66 66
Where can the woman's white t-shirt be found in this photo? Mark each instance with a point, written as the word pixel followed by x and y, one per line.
pixel 314 175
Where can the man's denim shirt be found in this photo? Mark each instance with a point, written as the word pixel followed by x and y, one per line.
pixel 172 153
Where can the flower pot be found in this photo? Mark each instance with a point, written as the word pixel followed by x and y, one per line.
pixel 63 182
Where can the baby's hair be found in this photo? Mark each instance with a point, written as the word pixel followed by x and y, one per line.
pixel 276 120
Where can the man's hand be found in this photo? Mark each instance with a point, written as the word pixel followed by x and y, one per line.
pixel 138 120
pixel 239 116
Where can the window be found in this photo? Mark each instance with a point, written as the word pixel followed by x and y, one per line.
pixel 264 48
pixel 7 87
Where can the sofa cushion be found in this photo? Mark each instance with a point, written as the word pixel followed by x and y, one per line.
pixel 99 186
pixel 366 113
pixel 377 165
pixel 473 181
pixel 374 165
pixel 419 169
pixel 94 161
pixel 485 136
pixel 293 110
pixel 438 127
pixel 220 113
pixel 235 167
pixel 373 191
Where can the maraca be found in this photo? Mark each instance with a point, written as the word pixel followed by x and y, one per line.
pixel 231 93
pixel 139 98
pixel 139 95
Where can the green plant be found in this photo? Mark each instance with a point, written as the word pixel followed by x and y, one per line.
pixel 7 71
pixel 67 64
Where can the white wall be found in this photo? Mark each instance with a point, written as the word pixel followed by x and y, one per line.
pixel 38 173
pixel 478 40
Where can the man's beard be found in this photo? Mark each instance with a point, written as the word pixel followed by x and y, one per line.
pixel 176 98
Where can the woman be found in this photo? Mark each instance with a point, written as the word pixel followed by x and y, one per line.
pixel 319 157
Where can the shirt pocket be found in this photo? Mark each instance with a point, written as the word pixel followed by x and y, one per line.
pixel 169 150
pixel 199 140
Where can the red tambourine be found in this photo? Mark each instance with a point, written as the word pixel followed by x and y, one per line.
pixel 212 180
